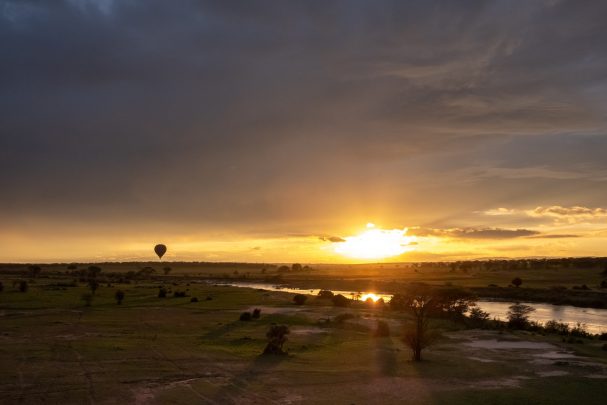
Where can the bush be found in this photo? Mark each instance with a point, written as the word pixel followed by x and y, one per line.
pixel 478 317
pixel 340 301
pixel 277 336
pixel 299 299
pixel 88 299
pixel 194 299
pixel 119 296
pixel 162 292
pixel 1 286
pixel 382 329
pixel 179 294
pixel 556 327
pixel 23 286
pixel 209 298
pixel 603 336
pixel 579 330
pixel 325 294
pixel 517 281
pixel 246 316
pixel 256 313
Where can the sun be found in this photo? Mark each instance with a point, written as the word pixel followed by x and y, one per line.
pixel 375 243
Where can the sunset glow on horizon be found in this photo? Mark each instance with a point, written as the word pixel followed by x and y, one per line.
pixel 376 244
pixel 275 142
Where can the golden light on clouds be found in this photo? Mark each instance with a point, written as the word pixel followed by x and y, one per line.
pixel 376 243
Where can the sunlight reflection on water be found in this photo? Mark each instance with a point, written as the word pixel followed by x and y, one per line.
pixel 594 319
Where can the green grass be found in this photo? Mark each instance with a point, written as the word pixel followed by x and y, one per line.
pixel 173 351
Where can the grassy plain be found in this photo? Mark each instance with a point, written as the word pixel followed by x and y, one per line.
pixel 53 349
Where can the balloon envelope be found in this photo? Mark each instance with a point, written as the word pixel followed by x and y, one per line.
pixel 160 250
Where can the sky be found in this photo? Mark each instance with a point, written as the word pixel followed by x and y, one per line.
pixel 270 131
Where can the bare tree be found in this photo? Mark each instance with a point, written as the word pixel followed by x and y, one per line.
pixel 417 334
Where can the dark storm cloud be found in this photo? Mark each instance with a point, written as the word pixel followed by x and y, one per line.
pixel 244 113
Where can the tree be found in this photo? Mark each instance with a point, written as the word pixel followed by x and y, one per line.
pixel 119 296
pixel 478 317
pixel 93 285
pixel 299 299
pixel 93 271
pixel 418 335
pixel 167 270
pixel 162 292
pixel 277 336
pixel 517 282
pixel 246 316
pixel 23 286
pixel 296 267
pixel 283 269
pixel 452 303
pixel 256 313
pixel 1 286
pixel 518 315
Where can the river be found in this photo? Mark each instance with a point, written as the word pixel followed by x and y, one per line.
pixel 595 320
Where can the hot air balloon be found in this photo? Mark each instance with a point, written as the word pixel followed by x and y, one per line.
pixel 160 250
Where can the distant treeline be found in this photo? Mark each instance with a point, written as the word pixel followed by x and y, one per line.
pixel 463 265
pixel 516 264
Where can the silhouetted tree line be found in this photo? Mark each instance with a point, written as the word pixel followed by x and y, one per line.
pixel 515 264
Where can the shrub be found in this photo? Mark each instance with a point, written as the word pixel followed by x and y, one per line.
pixel 299 299
pixel 277 336
pixel 604 284
pixel 209 298
pixel 325 294
pixel 162 292
pixel 179 294
pixel 579 330
pixel 1 286
pixel 119 296
pixel 382 329
pixel 340 301
pixel 167 270
pixel 556 327
pixel 603 336
pixel 23 286
pixel 517 281
pixel 246 316
pixel 194 299
pixel 256 313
